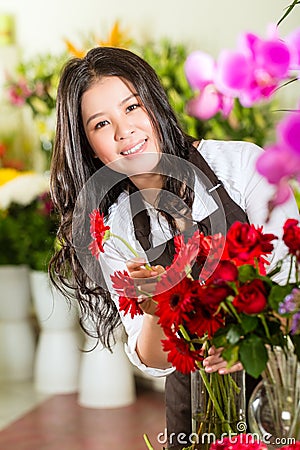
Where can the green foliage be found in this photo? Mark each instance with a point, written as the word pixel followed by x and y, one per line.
pixel 27 235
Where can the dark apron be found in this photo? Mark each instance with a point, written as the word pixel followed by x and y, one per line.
pixel 178 389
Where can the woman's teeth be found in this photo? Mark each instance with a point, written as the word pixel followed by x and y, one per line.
pixel 133 149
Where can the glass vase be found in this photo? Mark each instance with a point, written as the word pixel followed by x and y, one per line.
pixel 274 407
pixel 218 406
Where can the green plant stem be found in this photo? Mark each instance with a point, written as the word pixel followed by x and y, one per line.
pixel 214 399
pixel 207 384
pixel 233 311
pixel 148 443
pixel 133 251
pixel 263 319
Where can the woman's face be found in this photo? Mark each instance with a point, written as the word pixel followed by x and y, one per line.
pixel 118 127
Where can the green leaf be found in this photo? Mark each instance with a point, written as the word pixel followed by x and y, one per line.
pixel 247 273
pixel 231 354
pixel 253 355
pixel 233 335
pixel 277 294
pixel 220 338
pixel 249 323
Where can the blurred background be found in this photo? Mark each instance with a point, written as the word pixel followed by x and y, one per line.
pixel 39 359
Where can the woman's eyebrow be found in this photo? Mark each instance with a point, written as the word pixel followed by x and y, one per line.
pixel 94 116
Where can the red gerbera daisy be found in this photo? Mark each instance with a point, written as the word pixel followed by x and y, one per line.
pixel 129 305
pixel 125 287
pixel 180 355
pixel 99 232
pixel 174 300
pixel 204 322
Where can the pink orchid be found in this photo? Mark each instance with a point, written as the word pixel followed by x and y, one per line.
pixel 281 161
pixel 255 69
pixel 208 103
pixel 199 69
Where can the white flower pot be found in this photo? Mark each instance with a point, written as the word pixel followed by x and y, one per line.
pixel 59 345
pixel 17 336
pixel 106 379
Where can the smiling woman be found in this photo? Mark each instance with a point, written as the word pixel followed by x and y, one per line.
pixel 120 149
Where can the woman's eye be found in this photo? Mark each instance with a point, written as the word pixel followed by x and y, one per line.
pixel 101 124
pixel 132 107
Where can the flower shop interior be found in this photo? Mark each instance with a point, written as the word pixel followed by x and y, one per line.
pixel 58 391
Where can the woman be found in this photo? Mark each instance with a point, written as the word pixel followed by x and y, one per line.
pixel 119 147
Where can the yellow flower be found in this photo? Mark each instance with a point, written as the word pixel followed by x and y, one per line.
pixel 8 174
pixel 116 38
pixel 73 50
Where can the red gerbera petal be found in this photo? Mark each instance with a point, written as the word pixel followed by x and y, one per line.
pixel 125 287
pixel 129 305
pixel 180 355
pixel 174 301
pixel 98 231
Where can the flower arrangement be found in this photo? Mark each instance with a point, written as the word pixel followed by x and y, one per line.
pixel 27 221
pixel 232 303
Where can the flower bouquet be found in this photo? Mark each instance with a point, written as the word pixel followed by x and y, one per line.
pixel 232 303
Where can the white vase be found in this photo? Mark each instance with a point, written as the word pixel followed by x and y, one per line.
pixel 106 379
pixel 17 336
pixel 59 345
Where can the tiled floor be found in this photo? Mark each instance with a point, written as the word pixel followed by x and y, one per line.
pixel 29 421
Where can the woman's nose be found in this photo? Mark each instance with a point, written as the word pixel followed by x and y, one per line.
pixel 124 129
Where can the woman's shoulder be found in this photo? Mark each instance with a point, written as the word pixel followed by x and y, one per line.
pixel 230 156
pixel 228 148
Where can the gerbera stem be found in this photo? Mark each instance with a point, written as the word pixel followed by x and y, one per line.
pixel 133 251
pixel 207 383
pixel 146 439
pixel 263 319
pixel 214 399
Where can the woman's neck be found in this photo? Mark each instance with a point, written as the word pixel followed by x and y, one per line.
pixel 149 184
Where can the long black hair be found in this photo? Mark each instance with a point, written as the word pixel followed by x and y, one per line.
pixel 73 163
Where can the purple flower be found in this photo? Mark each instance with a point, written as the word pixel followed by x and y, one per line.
pixel 295 327
pixel 288 305
pixel 291 306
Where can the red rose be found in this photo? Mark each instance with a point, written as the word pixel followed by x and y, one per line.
pixel 291 237
pixel 225 271
pixel 252 297
pixel 244 243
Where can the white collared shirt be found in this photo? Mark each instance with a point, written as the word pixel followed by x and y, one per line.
pixel 234 164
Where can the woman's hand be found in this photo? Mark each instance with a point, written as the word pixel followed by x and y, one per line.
pixel 145 281
pixel 215 363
